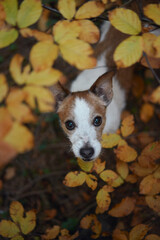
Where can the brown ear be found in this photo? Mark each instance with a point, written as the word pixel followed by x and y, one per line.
pixel 60 93
pixel 103 87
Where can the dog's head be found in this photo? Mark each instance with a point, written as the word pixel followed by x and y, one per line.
pixel 83 115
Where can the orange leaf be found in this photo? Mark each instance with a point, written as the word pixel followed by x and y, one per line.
pixel 90 10
pixel 146 112
pixel 74 179
pixel 119 235
pixel 89 31
pixel 110 140
pixel 152 237
pixel 154 203
pixel 124 208
pixel 40 36
pixel 149 155
pixel 91 181
pixel 67 8
pixel 155 97
pixel 126 153
pixel 52 233
pixel 140 171
pixel 152 11
pixel 127 126
pixel 3 87
pixel 149 185
pixel 98 166
pixel 5 122
pixel 103 199
pixel 138 232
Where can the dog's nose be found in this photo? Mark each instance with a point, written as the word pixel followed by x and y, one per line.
pixel 86 153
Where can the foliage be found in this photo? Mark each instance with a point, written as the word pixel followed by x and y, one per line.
pixel 26 91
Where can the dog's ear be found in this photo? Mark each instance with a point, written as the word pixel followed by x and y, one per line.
pixel 103 87
pixel 60 93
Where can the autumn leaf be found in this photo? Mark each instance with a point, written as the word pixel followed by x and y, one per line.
pixel 40 36
pixel 89 32
pixel 103 199
pixel 138 232
pixel 124 208
pixel 67 8
pixel 152 237
pixel 154 203
pixel 91 181
pixel 154 62
pixel 11 8
pixel 74 179
pixel 110 140
pixel 8 229
pixel 126 153
pixel 98 166
pixel 119 235
pixel 81 59
pixel 15 69
pixel 156 45
pixel 149 185
pixel 128 51
pixel 85 166
pixel 51 233
pixel 117 182
pixel 125 20
pixel 131 178
pixel 16 139
pixel 28 223
pixel 7 37
pixel 43 55
pixel 148 40
pixel 127 126
pixel 140 171
pixel 90 10
pixel 146 112
pixel 65 30
pixel 122 169
pixel 6 122
pixel 149 155
pixel 16 211
pixel 29 13
pixel 7 153
pixel 152 11
pixel 108 176
pixel 155 96
pixel 3 87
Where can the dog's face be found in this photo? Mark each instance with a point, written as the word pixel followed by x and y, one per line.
pixel 83 116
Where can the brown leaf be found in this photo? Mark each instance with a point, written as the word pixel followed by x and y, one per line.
pixel 149 185
pixel 154 62
pixel 5 122
pixel 89 31
pixel 152 237
pixel 154 203
pixel 126 153
pixel 119 235
pixel 138 232
pixel 146 112
pixel 140 171
pixel 124 208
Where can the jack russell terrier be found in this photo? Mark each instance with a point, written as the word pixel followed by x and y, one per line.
pixel 94 104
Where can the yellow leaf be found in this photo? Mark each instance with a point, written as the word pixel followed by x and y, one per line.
pixel 85 166
pixel 91 181
pixel 125 153
pixel 152 11
pixel 155 97
pixel 149 185
pixel 122 169
pixel 99 166
pixel 7 37
pixel 117 182
pixel 8 229
pixel 110 140
pixel 20 138
pixel 124 208
pixel 146 112
pixel 128 52
pixel 81 59
pixel 149 155
pixel 65 30
pixel 42 95
pixel 140 171
pixel 15 69
pixel 16 211
pixel 103 199
pixel 127 126
pixel 67 8
pixel 148 40
pixel 74 179
pixel 138 232
pixel 154 203
pixel 125 20
pixel 156 45
pixel 43 55
pixel 108 176
pixel 90 10
pixel 5 122
pixel 3 87
pixel 40 36
pixel 89 31
pixel 46 77
pixel 152 237
pixel 29 13
pixel 10 8
pixel 28 223
pixel 52 233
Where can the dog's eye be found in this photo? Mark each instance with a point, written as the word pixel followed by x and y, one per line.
pixel 70 125
pixel 97 121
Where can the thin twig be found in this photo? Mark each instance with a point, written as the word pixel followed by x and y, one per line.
pixel 54 10
pixel 150 67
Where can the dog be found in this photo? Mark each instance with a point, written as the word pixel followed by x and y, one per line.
pixel 96 99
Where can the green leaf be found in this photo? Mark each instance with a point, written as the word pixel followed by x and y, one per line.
pixel 29 13
pixel 11 8
pixel 8 37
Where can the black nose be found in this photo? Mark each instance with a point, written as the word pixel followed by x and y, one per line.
pixel 86 153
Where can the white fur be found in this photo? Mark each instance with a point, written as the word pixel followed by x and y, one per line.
pixel 84 133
